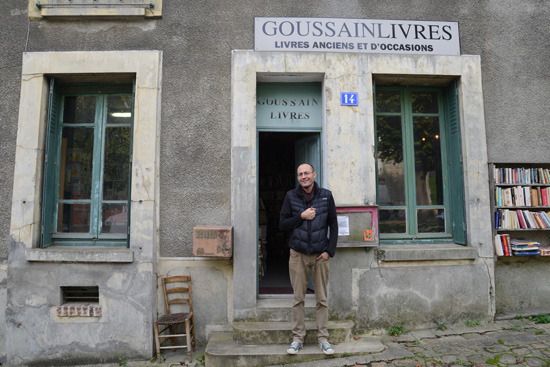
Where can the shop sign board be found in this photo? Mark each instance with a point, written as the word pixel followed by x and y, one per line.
pixel 356 35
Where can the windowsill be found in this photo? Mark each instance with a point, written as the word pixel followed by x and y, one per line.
pixel 426 252
pixel 76 254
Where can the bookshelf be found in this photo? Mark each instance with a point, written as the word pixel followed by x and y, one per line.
pixel 520 202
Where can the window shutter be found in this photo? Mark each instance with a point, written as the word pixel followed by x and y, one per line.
pixel 456 179
pixel 49 191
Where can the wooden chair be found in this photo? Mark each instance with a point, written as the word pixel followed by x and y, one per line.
pixel 177 294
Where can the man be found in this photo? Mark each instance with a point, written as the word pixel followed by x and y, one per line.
pixel 309 212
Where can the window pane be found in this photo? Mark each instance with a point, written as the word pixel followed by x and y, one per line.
pixel 427 161
pixel 388 101
pixel 424 102
pixel 391 175
pixel 119 109
pixel 431 220
pixel 114 218
pixel 77 146
pixel 392 221
pixel 73 218
pixel 117 163
pixel 79 110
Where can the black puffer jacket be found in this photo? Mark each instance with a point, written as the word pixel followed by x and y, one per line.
pixel 315 238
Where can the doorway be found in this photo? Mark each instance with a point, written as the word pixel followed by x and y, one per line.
pixel 279 153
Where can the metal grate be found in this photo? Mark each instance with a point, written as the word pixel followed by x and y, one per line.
pixel 80 294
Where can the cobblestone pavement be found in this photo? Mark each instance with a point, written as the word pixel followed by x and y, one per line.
pixel 503 343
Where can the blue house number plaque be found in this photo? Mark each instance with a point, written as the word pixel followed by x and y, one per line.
pixel 348 99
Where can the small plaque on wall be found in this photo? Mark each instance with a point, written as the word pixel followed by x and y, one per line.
pixel 213 241
pixel 357 226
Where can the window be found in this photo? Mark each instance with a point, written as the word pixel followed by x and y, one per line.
pixel 87 165
pixel 420 185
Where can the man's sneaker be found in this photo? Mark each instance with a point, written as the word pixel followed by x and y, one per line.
pixel 295 347
pixel 326 348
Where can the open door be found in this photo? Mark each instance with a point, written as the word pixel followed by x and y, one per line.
pixel 280 153
pixel 308 150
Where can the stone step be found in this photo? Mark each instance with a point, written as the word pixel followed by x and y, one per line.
pixel 280 309
pixel 223 350
pixel 247 332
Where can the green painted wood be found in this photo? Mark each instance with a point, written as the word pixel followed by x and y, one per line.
pixel 52 174
pixel 448 181
pixel 456 178
pixel 49 192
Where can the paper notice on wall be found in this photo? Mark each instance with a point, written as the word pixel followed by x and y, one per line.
pixel 343 225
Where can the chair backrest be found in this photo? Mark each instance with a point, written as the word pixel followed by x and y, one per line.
pixel 178 292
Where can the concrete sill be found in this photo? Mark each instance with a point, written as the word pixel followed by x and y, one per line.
pixel 81 255
pixel 431 252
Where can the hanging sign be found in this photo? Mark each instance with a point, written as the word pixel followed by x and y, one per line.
pixel 356 35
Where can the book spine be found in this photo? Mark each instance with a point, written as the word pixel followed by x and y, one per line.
pixel 498 246
pixel 505 245
pixel 521 219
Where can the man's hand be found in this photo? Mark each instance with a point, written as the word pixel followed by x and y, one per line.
pixel 323 255
pixel 308 214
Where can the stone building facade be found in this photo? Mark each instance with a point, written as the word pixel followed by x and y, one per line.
pixel 202 154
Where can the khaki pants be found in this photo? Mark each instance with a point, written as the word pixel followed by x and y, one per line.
pixel 298 266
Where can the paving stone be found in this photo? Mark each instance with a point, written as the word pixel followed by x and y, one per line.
pixel 417 350
pixel 521 351
pixel 497 348
pixel 539 346
pixel 478 358
pixel 535 362
pixel 474 336
pixel 449 358
pixel 379 364
pixel 404 363
pixel 507 359
pixel 421 334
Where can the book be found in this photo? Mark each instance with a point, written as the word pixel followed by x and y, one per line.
pixel 534 197
pixel 544 194
pixel 521 220
pixel 507 196
pixel 527 194
pixel 527 253
pixel 530 220
pixel 545 217
pixel 525 248
pixel 498 246
pixel 521 196
pixel 505 245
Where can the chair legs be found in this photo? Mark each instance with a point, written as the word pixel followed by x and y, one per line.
pixel 157 340
pixel 189 338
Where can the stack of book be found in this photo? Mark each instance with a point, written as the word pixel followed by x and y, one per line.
pixel 521 219
pixel 525 248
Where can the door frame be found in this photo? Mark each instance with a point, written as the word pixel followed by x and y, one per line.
pixel 319 132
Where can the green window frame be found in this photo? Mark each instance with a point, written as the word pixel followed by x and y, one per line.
pixel 87 165
pixel 420 189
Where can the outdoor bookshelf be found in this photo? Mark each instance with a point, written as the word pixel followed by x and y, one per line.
pixel 520 202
